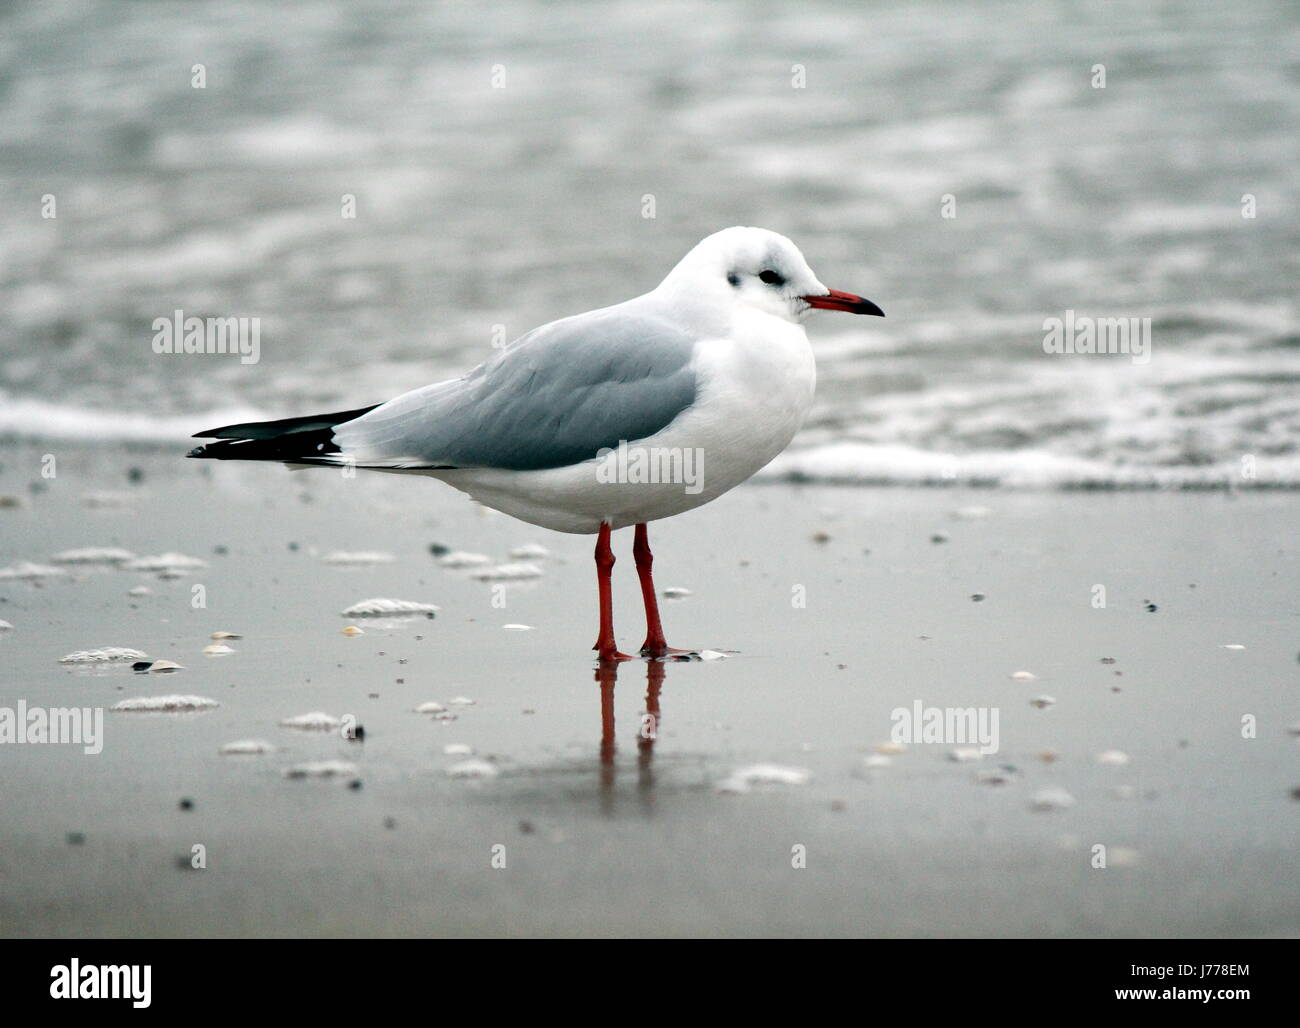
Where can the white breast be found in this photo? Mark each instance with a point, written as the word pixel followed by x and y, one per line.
pixel 754 390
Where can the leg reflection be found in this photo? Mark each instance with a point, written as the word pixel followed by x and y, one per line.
pixel 647 731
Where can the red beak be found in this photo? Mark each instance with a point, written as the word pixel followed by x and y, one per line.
pixel 837 301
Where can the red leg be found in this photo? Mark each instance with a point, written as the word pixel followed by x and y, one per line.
pixel 655 644
pixel 605 645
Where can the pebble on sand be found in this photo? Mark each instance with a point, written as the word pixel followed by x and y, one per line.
pixel 107 655
pixel 1112 757
pixel 676 592
pixel 165 704
pixel 1042 702
pixel 246 747
pixel 315 721
pixel 381 606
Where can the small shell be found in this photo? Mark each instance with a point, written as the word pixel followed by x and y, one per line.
pixel 217 650
pixel 965 754
pixel 518 628
pixel 315 721
pixel 167 704
pixel 431 707
pixel 1112 757
pixel 247 747
pixel 93 555
pixel 473 768
pixel 461 559
pixel 165 666
pixel 352 630
pixel 225 635
pixel 461 701
pixel 1052 799
pixel 381 606
pixel 108 655
pixel 164 562
pixel 676 592
pixel 507 573
pixel 321 769
pixel 1023 676
pixel 458 749
pixel 359 558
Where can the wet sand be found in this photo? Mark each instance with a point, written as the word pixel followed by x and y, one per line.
pixel 606 832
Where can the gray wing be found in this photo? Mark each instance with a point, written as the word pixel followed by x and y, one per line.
pixel 553 398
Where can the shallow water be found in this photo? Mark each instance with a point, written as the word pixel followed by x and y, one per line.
pixel 480 207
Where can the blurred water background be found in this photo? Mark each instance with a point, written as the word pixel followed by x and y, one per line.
pixel 480 207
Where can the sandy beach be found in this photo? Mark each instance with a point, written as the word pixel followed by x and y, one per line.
pixel 841 605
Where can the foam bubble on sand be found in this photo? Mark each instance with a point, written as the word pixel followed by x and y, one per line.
pixel 247 747
pixel 107 655
pixel 743 779
pixel 530 551
pixel 461 559
pixel 93 555
pixel 321 769
pixel 381 606
pixel 359 558
pixel 165 704
pixel 473 768
pixel 507 573
pixel 29 572
pixel 1052 799
pixel 165 562
pixel 314 721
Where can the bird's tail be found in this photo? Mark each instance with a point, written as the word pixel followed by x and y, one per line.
pixel 306 440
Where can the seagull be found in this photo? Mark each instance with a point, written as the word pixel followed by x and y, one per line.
pixel 613 418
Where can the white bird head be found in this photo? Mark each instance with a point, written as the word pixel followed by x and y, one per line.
pixel 760 269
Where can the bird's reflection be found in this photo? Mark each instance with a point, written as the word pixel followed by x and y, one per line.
pixel 647 731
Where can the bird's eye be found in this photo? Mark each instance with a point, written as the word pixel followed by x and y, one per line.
pixel 771 278
pixel 733 278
